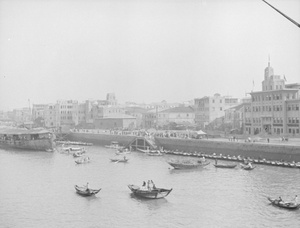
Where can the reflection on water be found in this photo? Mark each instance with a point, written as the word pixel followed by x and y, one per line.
pixel 42 183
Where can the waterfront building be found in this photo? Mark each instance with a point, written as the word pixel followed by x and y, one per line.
pixel 119 121
pixel 275 109
pixel 22 115
pixel 38 111
pixel 51 116
pixel 179 115
pixel 210 108
pixel 67 114
pixel 138 113
pixel 234 118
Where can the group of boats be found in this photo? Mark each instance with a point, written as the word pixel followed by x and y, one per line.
pixel 239 158
pixel 143 192
pixel 77 152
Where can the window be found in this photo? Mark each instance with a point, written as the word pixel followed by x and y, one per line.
pixel 221 109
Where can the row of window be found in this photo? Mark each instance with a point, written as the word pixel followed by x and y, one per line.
pixel 293 107
pixel 276 108
pixel 293 120
pixel 270 97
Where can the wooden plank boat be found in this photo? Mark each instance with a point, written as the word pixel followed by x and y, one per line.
pixel 286 205
pixel 247 167
pixel 117 160
pixel 187 164
pixel 228 166
pixel 155 193
pixel 83 160
pixel 86 191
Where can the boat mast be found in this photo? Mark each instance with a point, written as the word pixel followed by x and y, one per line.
pixel 290 19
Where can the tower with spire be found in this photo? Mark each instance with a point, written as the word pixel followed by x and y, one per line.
pixel 271 81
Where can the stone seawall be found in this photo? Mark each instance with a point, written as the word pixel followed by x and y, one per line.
pixel 101 139
pixel 253 150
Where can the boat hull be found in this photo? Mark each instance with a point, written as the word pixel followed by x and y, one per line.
pixel 37 145
pixel 82 191
pixel 289 206
pixel 176 165
pixel 156 193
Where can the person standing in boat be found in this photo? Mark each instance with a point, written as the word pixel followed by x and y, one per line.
pixel 216 161
pixel 144 186
pixel 249 164
pixel 296 199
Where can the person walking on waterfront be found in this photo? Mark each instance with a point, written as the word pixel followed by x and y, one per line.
pixel 268 140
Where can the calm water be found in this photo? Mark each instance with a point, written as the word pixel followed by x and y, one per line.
pixel 37 190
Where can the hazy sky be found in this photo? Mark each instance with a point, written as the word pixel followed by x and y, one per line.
pixel 142 50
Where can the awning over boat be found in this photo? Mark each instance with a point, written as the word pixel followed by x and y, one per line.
pixel 22 131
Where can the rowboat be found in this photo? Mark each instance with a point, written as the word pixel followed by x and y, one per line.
pixel 186 164
pixel 86 191
pixel 286 205
pixel 247 167
pixel 155 193
pixel 229 166
pixel 117 160
pixel 83 160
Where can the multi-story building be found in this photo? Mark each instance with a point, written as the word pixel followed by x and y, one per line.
pixel 179 115
pixel 22 115
pixel 210 108
pixel 275 109
pixel 51 116
pixel 67 114
pixel 138 113
pixel 38 111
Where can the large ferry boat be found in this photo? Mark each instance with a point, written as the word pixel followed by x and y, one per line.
pixel 22 138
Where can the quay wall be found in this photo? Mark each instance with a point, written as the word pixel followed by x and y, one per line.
pixel 255 150
pixel 101 139
pixel 247 149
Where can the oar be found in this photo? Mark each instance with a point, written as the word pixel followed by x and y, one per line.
pixel 116 162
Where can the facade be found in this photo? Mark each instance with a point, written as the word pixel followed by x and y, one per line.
pixel 22 115
pixel 275 109
pixel 178 115
pixel 67 114
pixel 138 113
pixel 38 111
pixel 234 118
pixel 51 116
pixel 210 108
pixel 116 122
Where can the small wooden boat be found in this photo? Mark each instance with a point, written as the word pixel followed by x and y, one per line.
pixel 83 160
pixel 247 167
pixel 86 191
pixel 154 153
pixel 286 205
pixel 155 193
pixel 228 166
pixel 117 160
pixel 187 164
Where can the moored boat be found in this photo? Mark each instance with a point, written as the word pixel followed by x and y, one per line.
pixel 154 193
pixel 228 166
pixel 83 160
pixel 84 191
pixel 117 160
pixel 187 164
pixel 247 167
pixel 286 205
pixel 21 138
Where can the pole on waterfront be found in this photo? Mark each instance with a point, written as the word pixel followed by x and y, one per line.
pixel 290 19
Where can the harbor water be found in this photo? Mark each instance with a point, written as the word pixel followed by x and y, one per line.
pixel 37 190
